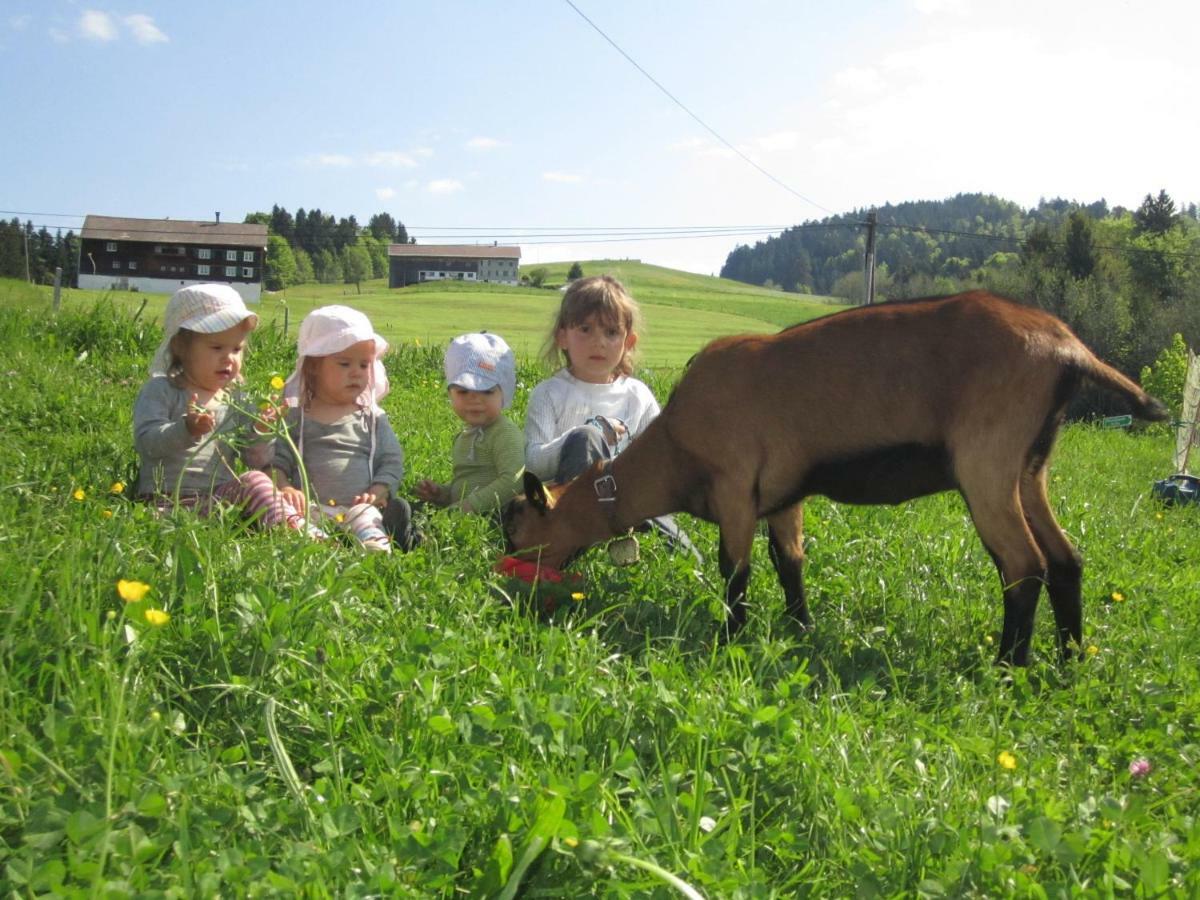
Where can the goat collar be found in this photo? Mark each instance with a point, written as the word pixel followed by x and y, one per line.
pixel 605 487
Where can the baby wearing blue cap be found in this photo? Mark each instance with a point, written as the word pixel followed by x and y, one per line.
pixel 489 453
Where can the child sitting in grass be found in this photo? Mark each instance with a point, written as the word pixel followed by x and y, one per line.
pixel 187 434
pixel 489 453
pixel 351 454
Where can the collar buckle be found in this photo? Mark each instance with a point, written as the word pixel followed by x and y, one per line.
pixel 606 488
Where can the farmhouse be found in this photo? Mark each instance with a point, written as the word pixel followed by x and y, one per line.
pixel 163 255
pixel 412 263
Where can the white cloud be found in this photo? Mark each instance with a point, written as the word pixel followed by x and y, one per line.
pixel 385 193
pixel 562 177
pixel 425 152
pixel 18 23
pixel 335 160
pixel 144 30
pixel 444 186
pixel 482 143
pixel 97 26
pixel 391 158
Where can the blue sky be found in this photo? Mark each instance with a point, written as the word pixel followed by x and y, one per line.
pixel 492 117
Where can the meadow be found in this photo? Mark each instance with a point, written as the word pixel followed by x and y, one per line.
pixel 682 311
pixel 307 720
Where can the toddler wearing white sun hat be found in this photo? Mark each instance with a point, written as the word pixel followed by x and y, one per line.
pixel 189 427
pixel 347 447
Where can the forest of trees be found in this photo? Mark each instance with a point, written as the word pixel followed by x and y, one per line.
pixel 314 246
pixel 46 253
pixel 1125 280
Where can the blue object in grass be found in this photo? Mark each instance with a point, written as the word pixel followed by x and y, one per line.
pixel 1178 489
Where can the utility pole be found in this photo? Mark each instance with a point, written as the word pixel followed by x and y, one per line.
pixel 869 261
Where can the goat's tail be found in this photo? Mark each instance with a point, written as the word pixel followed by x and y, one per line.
pixel 1142 405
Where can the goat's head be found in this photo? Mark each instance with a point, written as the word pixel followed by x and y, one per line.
pixel 531 527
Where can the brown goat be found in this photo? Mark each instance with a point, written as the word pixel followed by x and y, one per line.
pixel 878 404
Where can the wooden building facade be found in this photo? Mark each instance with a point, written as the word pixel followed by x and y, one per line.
pixel 163 255
pixel 414 263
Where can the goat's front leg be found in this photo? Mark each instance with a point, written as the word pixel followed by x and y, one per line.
pixel 785 531
pixel 737 537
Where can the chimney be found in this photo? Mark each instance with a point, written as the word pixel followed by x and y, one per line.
pixel 218 214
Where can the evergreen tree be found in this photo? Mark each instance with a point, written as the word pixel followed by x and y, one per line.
pixel 282 224
pixel 1079 254
pixel 383 228
pixel 1156 215
pixel 576 271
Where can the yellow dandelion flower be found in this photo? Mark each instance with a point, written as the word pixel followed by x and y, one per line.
pixel 1118 597
pixel 79 494
pixel 1006 760
pixel 1092 650
pixel 106 513
pixel 157 617
pixel 277 383
pixel 571 842
pixel 332 502
pixel 577 596
pixel 988 639
pixel 132 591
pixel 417 341
pixel 339 518
pixel 118 487
pixel 1158 516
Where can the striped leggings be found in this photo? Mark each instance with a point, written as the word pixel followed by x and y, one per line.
pixel 253 491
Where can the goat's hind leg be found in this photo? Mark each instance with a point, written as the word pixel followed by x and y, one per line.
pixel 1064 565
pixel 785 531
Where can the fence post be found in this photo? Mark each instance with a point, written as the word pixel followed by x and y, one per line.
pixel 57 287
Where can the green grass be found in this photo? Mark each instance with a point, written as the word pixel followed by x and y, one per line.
pixel 682 311
pixel 317 722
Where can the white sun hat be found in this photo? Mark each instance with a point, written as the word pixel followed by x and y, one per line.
pixel 329 330
pixel 203 308
pixel 480 362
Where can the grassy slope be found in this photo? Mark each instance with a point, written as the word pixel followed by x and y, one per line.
pixel 682 311
pixel 440 737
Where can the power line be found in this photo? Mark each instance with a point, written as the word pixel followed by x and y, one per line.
pixel 633 62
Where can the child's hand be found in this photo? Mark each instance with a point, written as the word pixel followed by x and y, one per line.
pixel 376 495
pixel 295 497
pixel 267 417
pixel 199 421
pixel 432 492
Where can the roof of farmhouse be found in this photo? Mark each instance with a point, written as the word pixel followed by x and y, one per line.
pixel 469 251
pixel 174 231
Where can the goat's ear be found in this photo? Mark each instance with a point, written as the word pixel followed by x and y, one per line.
pixel 537 495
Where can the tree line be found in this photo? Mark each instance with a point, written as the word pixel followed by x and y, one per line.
pixel 1125 280
pixel 316 246
pixel 46 252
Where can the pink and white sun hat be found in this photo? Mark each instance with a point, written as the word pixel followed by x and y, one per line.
pixel 203 308
pixel 329 330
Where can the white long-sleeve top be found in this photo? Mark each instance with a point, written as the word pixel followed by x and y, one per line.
pixel 562 402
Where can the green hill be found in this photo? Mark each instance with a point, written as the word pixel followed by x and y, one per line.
pixel 682 311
